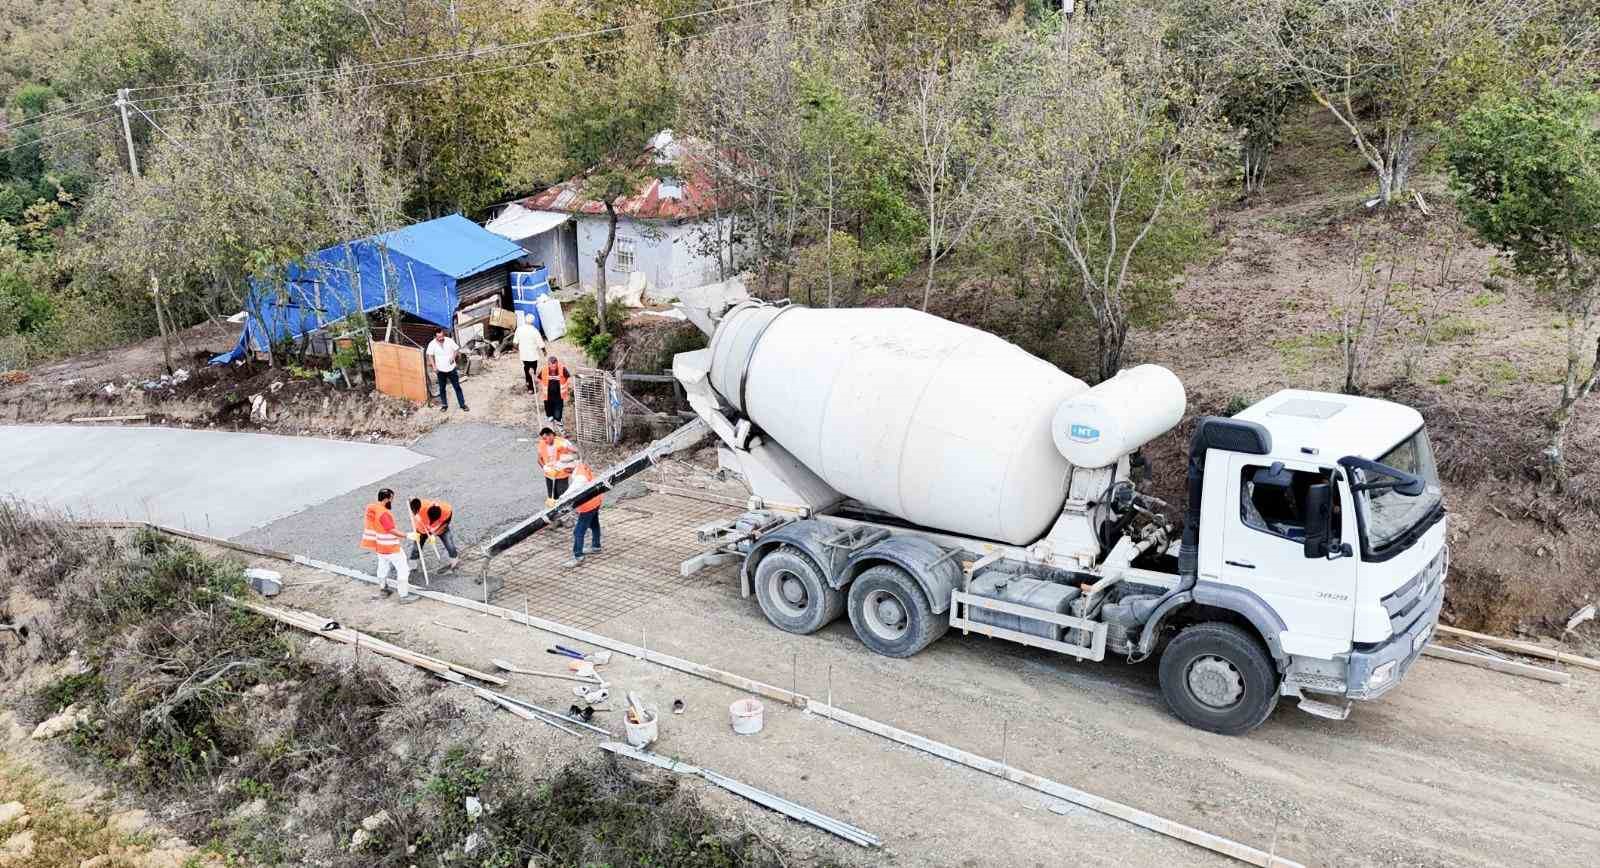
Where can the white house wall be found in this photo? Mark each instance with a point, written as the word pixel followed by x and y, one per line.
pixel 545 249
pixel 668 254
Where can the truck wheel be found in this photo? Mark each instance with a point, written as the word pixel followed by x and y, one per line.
pixel 1218 678
pixel 793 595
pixel 891 613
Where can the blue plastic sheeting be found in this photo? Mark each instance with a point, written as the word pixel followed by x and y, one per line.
pixel 233 355
pixel 418 267
pixel 526 287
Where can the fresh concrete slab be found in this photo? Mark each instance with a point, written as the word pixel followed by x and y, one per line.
pixel 217 482
pixel 487 472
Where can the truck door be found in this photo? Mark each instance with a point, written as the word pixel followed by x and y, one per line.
pixel 1263 551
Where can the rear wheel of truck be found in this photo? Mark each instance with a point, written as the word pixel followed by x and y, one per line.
pixel 1217 677
pixel 793 594
pixel 891 613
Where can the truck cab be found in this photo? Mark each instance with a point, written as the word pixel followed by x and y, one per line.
pixel 1331 544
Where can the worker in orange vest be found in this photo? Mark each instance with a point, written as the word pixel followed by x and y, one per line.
pixel 556 457
pixel 555 384
pixel 432 518
pixel 380 536
pixel 588 516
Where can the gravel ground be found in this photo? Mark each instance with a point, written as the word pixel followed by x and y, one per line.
pixel 487 472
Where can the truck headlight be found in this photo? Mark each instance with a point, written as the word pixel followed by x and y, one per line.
pixel 1381 675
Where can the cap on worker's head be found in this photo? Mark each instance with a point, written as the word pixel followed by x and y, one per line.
pixel 416 504
pixel 527 318
pixel 385 494
pixel 552 357
pixel 546 430
pixel 434 512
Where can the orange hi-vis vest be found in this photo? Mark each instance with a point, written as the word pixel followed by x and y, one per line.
pixel 376 538
pixel 584 476
pixel 550 457
pixel 560 374
pixel 421 522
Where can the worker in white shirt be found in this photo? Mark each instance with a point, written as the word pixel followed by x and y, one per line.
pixel 530 346
pixel 442 353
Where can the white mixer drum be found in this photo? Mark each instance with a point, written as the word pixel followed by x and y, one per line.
pixel 940 424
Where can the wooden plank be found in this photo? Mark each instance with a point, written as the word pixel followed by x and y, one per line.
pixel 1143 819
pixel 132 418
pixel 399 371
pixel 1506 666
pixel 1527 648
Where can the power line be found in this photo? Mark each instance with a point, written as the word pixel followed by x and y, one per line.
pixel 61 113
pixel 42 139
pixel 203 88
pixel 721 29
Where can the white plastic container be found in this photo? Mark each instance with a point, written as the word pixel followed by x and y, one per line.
pixel 1097 427
pixel 943 425
pixel 641 734
pixel 551 320
pixel 746 715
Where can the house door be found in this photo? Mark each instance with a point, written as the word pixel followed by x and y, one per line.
pixel 567 254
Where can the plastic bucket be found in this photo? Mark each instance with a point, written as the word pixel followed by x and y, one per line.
pixel 745 715
pixel 641 734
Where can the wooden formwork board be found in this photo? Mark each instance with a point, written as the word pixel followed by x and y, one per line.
pixel 399 371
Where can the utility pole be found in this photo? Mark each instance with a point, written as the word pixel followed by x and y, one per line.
pixel 155 285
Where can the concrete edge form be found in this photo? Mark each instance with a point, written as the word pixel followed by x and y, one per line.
pixel 1509 667
pixel 793 810
pixel 1143 819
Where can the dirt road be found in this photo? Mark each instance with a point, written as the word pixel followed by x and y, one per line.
pixel 1459 766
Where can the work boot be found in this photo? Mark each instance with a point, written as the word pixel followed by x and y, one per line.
pixel 454 562
pixel 596 550
pixel 407 599
pixel 573 563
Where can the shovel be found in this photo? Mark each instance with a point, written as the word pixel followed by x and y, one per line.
pixel 512 667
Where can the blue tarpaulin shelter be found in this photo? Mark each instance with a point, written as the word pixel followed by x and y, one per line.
pixel 418 268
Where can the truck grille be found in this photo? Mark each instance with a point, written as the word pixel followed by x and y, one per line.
pixel 1408 602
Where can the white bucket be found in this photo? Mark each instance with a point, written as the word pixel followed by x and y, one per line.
pixel 745 716
pixel 641 734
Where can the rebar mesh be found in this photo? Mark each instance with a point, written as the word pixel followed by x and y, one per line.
pixel 644 540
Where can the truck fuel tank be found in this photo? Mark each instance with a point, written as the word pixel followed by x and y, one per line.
pixel 1023 591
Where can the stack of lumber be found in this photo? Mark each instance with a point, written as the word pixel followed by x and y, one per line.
pixel 321 626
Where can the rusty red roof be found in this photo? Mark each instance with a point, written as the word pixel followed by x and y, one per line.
pixel 655 199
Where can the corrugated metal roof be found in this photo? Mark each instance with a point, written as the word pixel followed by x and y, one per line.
pixel 655 199
pixel 453 245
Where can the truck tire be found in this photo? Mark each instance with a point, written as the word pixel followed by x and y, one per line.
pixel 1218 678
pixel 793 594
pixel 891 613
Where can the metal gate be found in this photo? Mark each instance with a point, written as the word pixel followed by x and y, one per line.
pixel 596 406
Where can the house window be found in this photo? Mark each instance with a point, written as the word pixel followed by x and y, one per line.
pixel 622 259
pixel 1275 502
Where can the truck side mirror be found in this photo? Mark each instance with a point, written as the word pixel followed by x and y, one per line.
pixel 1319 519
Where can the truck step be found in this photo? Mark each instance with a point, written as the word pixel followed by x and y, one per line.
pixel 1325 709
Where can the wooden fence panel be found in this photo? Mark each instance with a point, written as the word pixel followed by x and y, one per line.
pixel 399 371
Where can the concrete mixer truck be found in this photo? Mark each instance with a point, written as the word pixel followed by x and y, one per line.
pixel 920 476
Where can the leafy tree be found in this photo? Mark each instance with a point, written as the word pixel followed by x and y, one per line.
pixel 601 109
pixel 1392 71
pixel 238 191
pixel 1527 171
pixel 1107 158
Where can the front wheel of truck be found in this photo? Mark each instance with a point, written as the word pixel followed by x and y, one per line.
pixel 1217 677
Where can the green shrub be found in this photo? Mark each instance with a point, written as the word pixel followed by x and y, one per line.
pixel 583 330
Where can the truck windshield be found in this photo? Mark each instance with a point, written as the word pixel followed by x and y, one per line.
pixel 1390 514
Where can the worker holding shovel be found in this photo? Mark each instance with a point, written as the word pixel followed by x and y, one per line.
pixel 380 536
pixel 432 518
pixel 588 516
